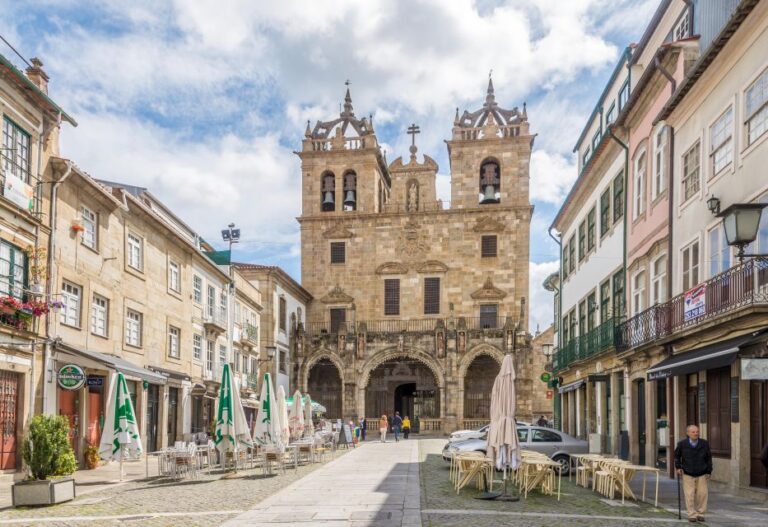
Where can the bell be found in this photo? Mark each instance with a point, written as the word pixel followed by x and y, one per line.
pixel 328 202
pixel 489 196
pixel 349 200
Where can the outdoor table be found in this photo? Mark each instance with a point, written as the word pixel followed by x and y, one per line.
pixel 471 468
pixel 295 452
pixel 542 467
pixel 157 454
pixel 645 470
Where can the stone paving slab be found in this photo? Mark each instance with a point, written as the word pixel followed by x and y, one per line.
pixel 375 485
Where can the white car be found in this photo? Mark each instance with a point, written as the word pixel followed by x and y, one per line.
pixel 461 435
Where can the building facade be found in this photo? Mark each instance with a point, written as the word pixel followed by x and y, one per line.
pixel 415 302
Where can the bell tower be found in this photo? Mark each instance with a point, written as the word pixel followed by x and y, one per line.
pixel 490 151
pixel 343 169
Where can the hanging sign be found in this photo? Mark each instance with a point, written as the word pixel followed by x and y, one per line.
pixel 695 303
pixel 545 377
pixel 17 191
pixel 550 394
pixel 71 377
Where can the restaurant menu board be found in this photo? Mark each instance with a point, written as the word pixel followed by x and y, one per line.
pixel 348 434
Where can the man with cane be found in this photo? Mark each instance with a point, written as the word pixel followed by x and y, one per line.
pixel 693 461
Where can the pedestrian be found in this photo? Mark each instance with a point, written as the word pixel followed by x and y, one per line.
pixel 383 425
pixel 397 425
pixel 542 421
pixel 362 428
pixel 406 427
pixel 693 461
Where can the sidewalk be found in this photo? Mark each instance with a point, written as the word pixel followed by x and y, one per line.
pixel 377 484
pixel 725 510
pixel 86 481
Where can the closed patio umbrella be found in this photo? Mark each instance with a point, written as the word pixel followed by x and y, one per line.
pixel 309 426
pixel 120 437
pixel 296 416
pixel 267 430
pixel 503 446
pixel 282 409
pixel 232 434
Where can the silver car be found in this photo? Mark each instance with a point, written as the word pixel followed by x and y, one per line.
pixel 555 444
pixel 460 435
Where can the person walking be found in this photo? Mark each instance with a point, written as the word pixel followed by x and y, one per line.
pixel 362 428
pixel 397 425
pixel 406 427
pixel 383 425
pixel 693 461
pixel 542 421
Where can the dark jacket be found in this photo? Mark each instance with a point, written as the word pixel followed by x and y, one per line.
pixel 397 421
pixel 764 456
pixel 694 461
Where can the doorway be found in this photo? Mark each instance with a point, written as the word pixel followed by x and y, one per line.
pixel 173 414
pixel 641 439
pixel 69 407
pixel 95 420
pixel 404 395
pixel 9 403
pixel 153 410
pixel 758 437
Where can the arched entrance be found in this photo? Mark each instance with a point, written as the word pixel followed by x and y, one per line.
pixel 478 383
pixel 324 386
pixel 404 385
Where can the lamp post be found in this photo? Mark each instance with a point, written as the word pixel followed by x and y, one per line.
pixel 231 235
pixel 547 350
pixel 741 222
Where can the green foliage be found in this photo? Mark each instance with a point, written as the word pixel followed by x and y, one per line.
pixel 46 449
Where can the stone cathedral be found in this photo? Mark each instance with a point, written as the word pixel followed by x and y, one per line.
pixel 415 301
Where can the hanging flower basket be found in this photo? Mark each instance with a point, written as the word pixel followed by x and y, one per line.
pixel 77 227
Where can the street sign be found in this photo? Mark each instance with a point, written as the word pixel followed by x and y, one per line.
pixel 550 394
pixel 95 381
pixel 71 377
pixel 545 377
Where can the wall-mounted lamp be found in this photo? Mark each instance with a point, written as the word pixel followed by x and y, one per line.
pixel 713 204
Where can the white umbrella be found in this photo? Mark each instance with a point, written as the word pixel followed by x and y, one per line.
pixel 503 446
pixel 231 433
pixel 120 437
pixel 267 431
pixel 296 416
pixel 282 409
pixel 309 426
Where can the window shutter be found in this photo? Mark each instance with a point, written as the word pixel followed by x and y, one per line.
pixel 488 246
pixel 338 252
pixel 338 317
pixel 432 295
pixel 392 296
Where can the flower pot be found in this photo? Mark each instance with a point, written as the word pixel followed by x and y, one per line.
pixel 45 492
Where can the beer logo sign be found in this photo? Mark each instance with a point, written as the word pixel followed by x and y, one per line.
pixel 71 377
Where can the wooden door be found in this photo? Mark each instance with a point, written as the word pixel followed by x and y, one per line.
pixel 95 417
pixel 173 415
pixel 69 407
pixel 758 437
pixel 9 401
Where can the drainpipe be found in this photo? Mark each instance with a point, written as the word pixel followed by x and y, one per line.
pixel 558 418
pixel 49 327
pixel 626 188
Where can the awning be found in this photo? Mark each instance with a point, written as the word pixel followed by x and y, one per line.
pixel 708 357
pixel 177 375
pixel 599 377
pixel 115 363
pixel 572 386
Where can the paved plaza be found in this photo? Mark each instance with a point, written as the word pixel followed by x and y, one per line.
pixel 403 484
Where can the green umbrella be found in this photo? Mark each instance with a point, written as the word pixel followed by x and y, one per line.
pixel 120 437
pixel 231 426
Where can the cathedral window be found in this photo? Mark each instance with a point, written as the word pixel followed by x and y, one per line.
pixel 328 192
pixel 431 296
pixel 392 296
pixel 490 182
pixel 489 316
pixel 338 252
pixel 488 246
pixel 350 190
pixel 338 318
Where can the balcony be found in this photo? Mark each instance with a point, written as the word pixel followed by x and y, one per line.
pixel 742 286
pixel 424 325
pixel 594 342
pixel 215 322
pixel 249 335
pixel 252 381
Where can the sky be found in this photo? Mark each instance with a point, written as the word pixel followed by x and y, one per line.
pixel 204 101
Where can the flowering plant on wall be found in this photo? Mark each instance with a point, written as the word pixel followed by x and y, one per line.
pixel 19 315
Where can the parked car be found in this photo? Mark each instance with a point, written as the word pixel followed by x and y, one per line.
pixel 460 435
pixel 557 445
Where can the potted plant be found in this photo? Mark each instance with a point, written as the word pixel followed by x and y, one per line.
pixel 91 456
pixel 51 461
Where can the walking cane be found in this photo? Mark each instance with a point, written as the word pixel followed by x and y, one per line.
pixel 679 508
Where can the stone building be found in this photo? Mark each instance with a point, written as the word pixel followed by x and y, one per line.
pixel 415 301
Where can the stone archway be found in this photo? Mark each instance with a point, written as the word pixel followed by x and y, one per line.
pixel 325 383
pixel 477 371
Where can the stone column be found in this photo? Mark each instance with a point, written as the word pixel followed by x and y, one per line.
pixel 349 407
pixel 615 426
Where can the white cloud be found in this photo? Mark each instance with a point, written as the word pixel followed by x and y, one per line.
pixel 552 176
pixel 541 306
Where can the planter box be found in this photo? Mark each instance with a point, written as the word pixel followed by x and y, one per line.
pixel 45 492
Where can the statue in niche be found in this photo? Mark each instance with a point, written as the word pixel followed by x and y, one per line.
pixel 462 341
pixel 413 196
pixel 360 346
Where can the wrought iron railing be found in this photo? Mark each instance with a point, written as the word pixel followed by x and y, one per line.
pixel 594 342
pixel 422 325
pixel 250 333
pixel 742 285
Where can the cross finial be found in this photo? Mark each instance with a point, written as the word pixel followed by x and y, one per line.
pixel 412 131
pixel 347 83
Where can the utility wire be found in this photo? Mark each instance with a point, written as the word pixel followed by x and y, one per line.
pixel 15 51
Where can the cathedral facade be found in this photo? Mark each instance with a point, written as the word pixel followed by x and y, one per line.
pixel 415 301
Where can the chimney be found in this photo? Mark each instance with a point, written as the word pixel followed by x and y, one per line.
pixel 37 75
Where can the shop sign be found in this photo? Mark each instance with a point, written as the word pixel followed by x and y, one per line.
pixel 754 369
pixel 95 381
pixel 17 191
pixel 550 394
pixel 695 303
pixel 71 377
pixel 545 377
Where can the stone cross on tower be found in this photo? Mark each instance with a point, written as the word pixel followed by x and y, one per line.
pixel 412 131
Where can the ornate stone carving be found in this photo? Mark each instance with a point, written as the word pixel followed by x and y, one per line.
pixel 412 244
pixel 337 296
pixel 432 266
pixel 488 224
pixel 338 231
pixel 488 291
pixel 392 268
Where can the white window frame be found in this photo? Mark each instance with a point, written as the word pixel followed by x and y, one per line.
pixel 210 354
pixel 222 353
pixel 638 292
pixel 197 346
pixel 659 181
pixel 197 288
pixel 174 336
pixel 718 252
pixel 133 328
pixel 683 27
pixel 721 142
pixel 135 251
pixel 71 299
pixel 210 301
pixel 658 280
pixel 639 184
pixel 691 173
pixel 100 315
pixel 174 276
pixel 90 236
pixel 610 115
pixel 757 115
pixel 694 270
pixel 623 90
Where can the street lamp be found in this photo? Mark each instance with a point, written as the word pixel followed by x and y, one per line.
pixel 231 235
pixel 740 223
pixel 271 351
pixel 547 349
